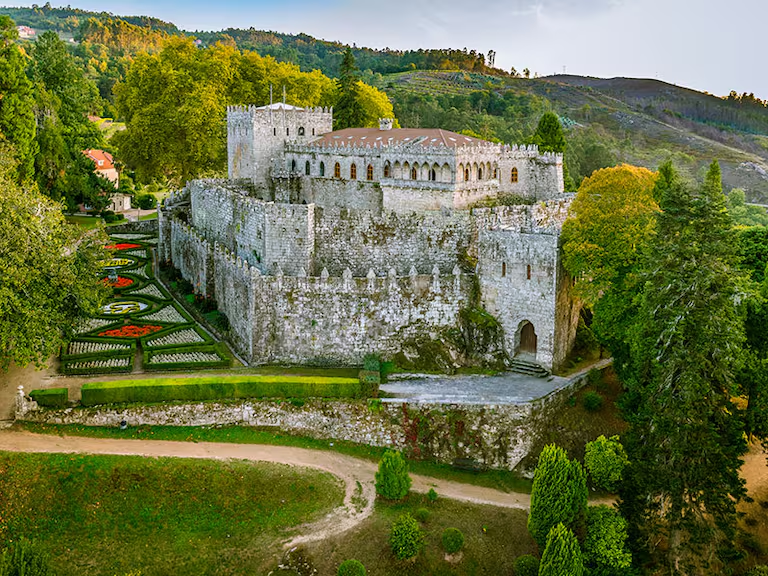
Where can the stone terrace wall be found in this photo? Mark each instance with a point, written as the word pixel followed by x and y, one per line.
pixel 359 241
pixel 192 256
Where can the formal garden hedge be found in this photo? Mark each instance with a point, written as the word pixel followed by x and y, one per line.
pixel 51 397
pixel 189 357
pixel 219 388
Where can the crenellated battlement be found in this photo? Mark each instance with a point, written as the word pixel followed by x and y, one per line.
pixel 540 218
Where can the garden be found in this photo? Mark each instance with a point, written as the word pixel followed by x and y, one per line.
pixel 140 327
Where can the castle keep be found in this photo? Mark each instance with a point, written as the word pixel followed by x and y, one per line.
pixel 323 246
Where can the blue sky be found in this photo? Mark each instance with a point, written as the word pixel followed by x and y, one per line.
pixel 709 45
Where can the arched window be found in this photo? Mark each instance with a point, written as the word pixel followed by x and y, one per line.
pixel 369 172
pixel 480 173
pixel 495 173
pixel 322 168
pixel 337 170
pixel 513 177
pixel 287 131
pixel 414 173
pixel 274 131
pixel 432 175
pixel 353 172
pixel 313 131
pixel 503 269
pixel 529 272
pixel 293 165
pixel 466 174
pixel 301 130
pixel 306 168
pixel 387 170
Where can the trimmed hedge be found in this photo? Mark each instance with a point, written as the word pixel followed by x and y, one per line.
pixel 101 340
pixel 51 397
pixel 69 370
pixel 370 381
pixel 218 388
pixel 218 349
pixel 146 341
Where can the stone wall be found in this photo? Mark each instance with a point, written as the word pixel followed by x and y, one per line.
pixel 193 257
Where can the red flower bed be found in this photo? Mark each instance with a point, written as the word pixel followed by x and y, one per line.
pixel 131 331
pixel 122 246
pixel 122 282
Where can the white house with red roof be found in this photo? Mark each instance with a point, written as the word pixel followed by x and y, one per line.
pixel 105 168
pixel 25 32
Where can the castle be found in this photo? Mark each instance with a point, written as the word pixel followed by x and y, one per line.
pixel 323 246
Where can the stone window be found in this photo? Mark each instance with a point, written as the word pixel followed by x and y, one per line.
pixel 274 131
pixel 301 130
pixel 432 175
pixel 480 173
pixel 322 168
pixel 369 172
pixel 313 131
pixel 353 172
pixel 337 170
pixel 503 269
pixel 293 165
pixel 495 173
pixel 466 174
pixel 414 173
pixel 528 271
pixel 287 131
pixel 307 168
pixel 513 177
pixel 387 170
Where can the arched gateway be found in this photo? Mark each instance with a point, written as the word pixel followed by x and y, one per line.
pixel 528 340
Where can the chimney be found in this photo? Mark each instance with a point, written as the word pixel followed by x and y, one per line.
pixel 385 123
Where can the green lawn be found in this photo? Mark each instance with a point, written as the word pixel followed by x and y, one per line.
pixel 106 515
pixel 489 552
pixel 87 222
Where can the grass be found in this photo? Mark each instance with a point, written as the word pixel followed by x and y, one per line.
pixel 87 222
pixel 494 537
pixel 116 514
pixel 504 480
pixel 152 216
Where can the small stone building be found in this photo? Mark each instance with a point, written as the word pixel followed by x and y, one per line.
pixel 324 245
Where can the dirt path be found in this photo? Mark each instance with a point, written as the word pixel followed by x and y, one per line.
pixel 357 475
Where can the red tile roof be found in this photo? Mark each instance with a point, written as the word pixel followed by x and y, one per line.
pixel 423 136
pixel 100 156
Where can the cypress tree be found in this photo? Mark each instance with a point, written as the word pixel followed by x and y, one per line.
pixel 686 437
pixel 348 112
pixel 562 556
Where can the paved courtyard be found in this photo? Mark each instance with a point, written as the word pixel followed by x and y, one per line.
pixel 507 388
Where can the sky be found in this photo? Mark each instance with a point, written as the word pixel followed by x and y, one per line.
pixel 708 45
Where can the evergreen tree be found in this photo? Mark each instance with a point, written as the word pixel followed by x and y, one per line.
pixel 549 135
pixel 559 494
pixel 348 112
pixel 562 555
pixel 686 437
pixel 17 120
pixel 392 480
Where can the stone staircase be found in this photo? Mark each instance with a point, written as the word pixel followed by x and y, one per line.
pixel 522 366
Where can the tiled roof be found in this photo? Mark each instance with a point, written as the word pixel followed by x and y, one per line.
pixel 397 136
pixel 102 159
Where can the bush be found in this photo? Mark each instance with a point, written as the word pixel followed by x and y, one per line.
pixel 24 558
pixel 422 515
pixel 453 540
pixel 758 571
pixel 592 401
pixel 372 363
pixel 605 546
pixel 392 479
pixel 217 388
pixel 605 459
pixel 527 565
pixel 51 397
pixel 146 201
pixel 432 495
pixel 406 537
pixel 351 568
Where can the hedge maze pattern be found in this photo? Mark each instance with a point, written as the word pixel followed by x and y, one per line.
pixel 140 320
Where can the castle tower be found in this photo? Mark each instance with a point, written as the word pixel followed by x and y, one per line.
pixel 257 136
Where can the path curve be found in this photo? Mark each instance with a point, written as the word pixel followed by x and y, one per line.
pixel 357 474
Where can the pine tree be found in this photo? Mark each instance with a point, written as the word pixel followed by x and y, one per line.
pixel 392 480
pixel 562 555
pixel 686 437
pixel 559 494
pixel 348 113
pixel 549 135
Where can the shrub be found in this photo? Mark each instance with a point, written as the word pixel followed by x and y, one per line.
pixel 595 378
pixel 392 479
pixel 758 571
pixel 216 388
pixel 562 554
pixel 146 201
pixel 370 382
pixel 432 495
pixel 605 459
pixel 351 568
pixel 422 515
pixel 605 545
pixel 592 401
pixel 51 397
pixel 527 565
pixel 25 558
pixel 453 540
pixel 406 537
pixel 372 363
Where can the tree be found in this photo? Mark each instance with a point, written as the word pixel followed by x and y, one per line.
pixel 686 436
pixel 562 554
pixel 17 119
pixel 549 135
pixel 392 480
pixel 348 113
pixel 558 495
pixel 406 537
pixel 49 276
pixel 605 546
pixel 605 459
pixel 375 104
